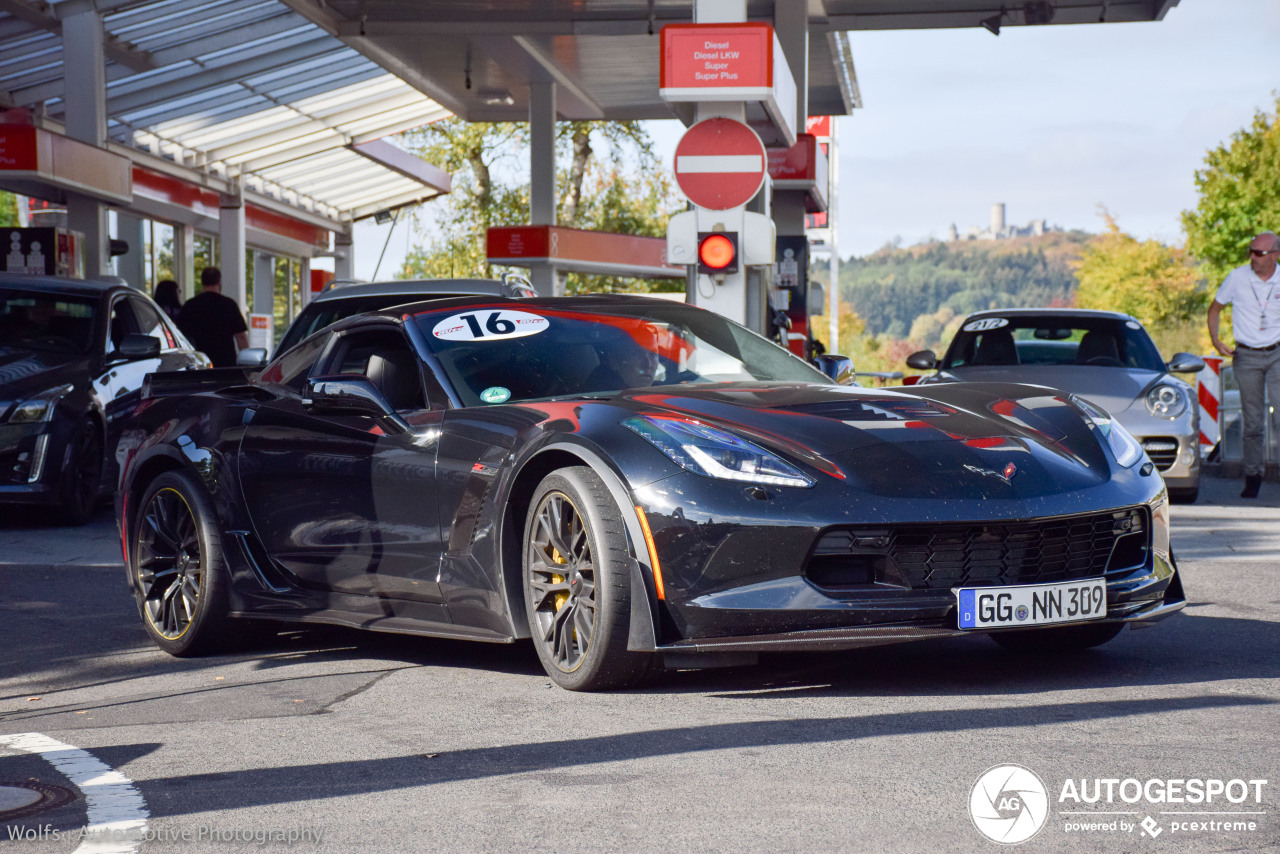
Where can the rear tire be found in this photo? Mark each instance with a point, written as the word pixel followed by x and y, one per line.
pixel 577 584
pixel 1060 640
pixel 179 576
pixel 81 480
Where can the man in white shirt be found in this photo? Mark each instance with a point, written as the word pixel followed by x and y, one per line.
pixel 1254 291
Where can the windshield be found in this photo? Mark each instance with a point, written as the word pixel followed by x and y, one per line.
pixel 1104 342
pixel 39 320
pixel 494 354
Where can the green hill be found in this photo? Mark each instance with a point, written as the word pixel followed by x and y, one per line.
pixel 892 288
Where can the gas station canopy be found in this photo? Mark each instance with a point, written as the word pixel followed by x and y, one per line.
pixel 241 90
pixel 288 97
pixel 478 57
pixel 264 120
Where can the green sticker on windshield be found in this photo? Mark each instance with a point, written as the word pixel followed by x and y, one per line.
pixel 495 394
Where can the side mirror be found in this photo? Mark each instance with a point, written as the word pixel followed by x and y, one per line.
pixel 349 395
pixel 1185 363
pixel 923 360
pixel 251 357
pixel 839 368
pixel 136 347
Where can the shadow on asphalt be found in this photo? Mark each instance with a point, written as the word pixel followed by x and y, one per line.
pixel 78 627
pixel 172 795
pixel 1185 649
pixel 20 517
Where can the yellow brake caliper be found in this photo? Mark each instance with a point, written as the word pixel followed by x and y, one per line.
pixel 561 598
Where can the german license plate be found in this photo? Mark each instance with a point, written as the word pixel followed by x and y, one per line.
pixel 1031 604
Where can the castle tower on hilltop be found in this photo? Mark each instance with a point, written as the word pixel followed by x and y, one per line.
pixel 999 229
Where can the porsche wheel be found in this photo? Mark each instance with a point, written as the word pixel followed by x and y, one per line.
pixel 1063 639
pixel 82 477
pixel 178 572
pixel 577 584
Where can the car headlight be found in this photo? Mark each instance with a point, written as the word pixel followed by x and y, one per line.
pixel 35 410
pixel 1120 440
pixel 1166 401
pixel 716 453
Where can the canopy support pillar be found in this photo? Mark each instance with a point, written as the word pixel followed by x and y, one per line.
pixel 544 277
pixel 85 95
pixel 231 247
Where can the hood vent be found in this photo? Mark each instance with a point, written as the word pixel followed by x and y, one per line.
pixel 893 409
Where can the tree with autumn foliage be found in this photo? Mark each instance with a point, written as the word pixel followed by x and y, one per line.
pixel 1239 192
pixel 1160 285
pixel 608 179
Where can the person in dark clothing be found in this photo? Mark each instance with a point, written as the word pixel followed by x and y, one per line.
pixel 214 322
pixel 167 297
pixel 625 363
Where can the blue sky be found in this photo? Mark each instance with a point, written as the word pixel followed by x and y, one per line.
pixel 1053 121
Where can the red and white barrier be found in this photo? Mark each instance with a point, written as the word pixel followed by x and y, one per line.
pixel 1209 392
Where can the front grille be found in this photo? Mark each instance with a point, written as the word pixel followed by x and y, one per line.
pixel 1163 451
pixel 939 557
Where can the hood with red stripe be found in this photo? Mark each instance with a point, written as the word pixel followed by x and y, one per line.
pixel 962 440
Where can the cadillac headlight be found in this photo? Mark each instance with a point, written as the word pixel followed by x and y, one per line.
pixel 1120 440
pixel 716 453
pixel 1166 401
pixel 38 409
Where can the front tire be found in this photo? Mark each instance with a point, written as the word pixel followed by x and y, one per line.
pixel 1060 640
pixel 577 584
pixel 81 479
pixel 179 575
pixel 1186 495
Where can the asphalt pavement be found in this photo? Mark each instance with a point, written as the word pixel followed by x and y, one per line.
pixel 358 742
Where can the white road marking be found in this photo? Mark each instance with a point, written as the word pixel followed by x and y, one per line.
pixel 116 811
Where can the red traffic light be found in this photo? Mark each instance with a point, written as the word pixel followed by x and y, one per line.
pixel 717 252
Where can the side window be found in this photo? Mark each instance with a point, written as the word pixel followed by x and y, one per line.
pixel 387 360
pixel 122 321
pixel 293 368
pixel 149 322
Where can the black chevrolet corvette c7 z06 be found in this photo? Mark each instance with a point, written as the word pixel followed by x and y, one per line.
pixel 630 483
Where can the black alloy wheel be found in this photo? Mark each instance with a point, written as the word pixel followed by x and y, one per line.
pixel 178 572
pixel 82 477
pixel 577 584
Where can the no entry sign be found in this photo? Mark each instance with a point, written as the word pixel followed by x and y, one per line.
pixel 720 164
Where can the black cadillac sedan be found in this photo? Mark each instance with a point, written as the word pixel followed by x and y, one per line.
pixel 73 355
pixel 631 483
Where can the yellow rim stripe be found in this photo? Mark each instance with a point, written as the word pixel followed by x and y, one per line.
pixel 199 591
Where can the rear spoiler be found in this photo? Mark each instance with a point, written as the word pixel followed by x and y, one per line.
pixel 173 383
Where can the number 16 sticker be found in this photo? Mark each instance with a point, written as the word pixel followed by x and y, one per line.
pixel 489 325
